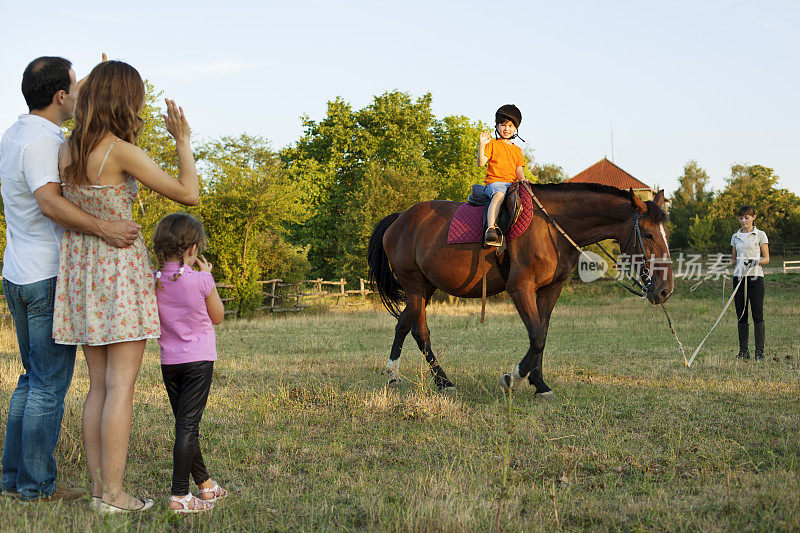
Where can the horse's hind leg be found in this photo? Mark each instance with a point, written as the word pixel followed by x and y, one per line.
pixel 419 330
pixel 400 333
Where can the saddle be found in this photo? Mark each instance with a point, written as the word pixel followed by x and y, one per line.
pixel 509 211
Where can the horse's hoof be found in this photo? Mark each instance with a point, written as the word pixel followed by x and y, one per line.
pixel 443 384
pixel 395 382
pixel 392 370
pixel 505 382
pixel 449 390
pixel 549 395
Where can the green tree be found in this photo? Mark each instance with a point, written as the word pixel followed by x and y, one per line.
pixel 777 209
pixel 701 233
pixel 691 200
pixel 453 155
pixel 356 167
pixel 547 173
pixel 247 205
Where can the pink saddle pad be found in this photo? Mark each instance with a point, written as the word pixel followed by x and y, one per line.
pixel 467 222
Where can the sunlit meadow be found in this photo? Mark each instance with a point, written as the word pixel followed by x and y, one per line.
pixel 304 431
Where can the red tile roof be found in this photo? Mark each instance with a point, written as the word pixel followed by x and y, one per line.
pixel 605 172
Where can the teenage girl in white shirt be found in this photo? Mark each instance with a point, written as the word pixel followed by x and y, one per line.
pixel 750 251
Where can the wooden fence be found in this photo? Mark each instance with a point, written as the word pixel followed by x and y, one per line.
pixel 278 296
pixel 791 266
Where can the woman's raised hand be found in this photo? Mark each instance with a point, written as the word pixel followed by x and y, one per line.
pixel 485 138
pixel 176 123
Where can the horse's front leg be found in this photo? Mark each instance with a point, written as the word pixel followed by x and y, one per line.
pixel 546 298
pixel 525 301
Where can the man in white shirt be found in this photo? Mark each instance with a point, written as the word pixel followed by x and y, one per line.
pixel 36 214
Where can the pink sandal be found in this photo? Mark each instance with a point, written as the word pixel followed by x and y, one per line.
pixel 190 504
pixel 216 492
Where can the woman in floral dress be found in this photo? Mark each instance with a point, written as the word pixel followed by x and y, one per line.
pixel 105 296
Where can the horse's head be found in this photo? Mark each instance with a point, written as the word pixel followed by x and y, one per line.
pixel 645 245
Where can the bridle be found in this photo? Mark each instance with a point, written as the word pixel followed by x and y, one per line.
pixel 644 281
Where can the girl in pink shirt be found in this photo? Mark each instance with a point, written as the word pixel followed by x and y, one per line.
pixel 188 306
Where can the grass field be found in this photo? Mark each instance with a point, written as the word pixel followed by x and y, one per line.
pixel 301 427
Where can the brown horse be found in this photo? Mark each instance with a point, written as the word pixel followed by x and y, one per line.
pixel 409 259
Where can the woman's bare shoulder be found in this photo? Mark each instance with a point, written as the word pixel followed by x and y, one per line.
pixel 127 151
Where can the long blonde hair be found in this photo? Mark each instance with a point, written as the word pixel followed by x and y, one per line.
pixel 109 101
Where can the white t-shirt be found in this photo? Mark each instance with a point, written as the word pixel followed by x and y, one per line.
pixel 748 246
pixel 28 160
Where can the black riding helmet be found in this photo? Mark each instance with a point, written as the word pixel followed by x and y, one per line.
pixel 509 112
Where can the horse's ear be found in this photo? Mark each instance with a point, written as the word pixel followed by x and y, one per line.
pixel 637 203
pixel 659 199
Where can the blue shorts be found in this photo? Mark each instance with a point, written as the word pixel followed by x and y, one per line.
pixel 496 187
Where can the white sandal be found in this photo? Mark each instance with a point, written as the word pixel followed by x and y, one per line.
pixel 198 505
pixel 218 492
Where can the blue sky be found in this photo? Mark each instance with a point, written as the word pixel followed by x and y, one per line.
pixel 715 81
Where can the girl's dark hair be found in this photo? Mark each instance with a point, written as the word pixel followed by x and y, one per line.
pixel 175 234
pixel 43 78
pixel 747 210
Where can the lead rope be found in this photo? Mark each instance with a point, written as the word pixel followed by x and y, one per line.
pixel 672 329
pixel 725 308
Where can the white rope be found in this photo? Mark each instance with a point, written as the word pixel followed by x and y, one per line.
pixel 725 308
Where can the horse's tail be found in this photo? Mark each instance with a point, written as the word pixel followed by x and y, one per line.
pixel 380 272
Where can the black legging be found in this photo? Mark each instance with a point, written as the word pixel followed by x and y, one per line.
pixel 187 386
pixel 755 296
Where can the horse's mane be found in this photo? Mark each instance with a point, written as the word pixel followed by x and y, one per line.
pixel 654 213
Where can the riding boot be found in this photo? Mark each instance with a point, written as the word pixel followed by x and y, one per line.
pixel 758 331
pixel 744 330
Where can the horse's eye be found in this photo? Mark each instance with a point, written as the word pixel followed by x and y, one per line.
pixel 647 235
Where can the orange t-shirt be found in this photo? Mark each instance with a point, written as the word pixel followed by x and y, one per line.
pixel 504 158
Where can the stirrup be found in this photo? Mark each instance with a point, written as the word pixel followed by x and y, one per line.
pixel 217 491
pixel 498 233
pixel 199 505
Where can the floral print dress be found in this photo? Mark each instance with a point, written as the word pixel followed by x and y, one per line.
pixel 104 294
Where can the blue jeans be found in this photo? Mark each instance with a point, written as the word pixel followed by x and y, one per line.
pixel 496 187
pixel 37 404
